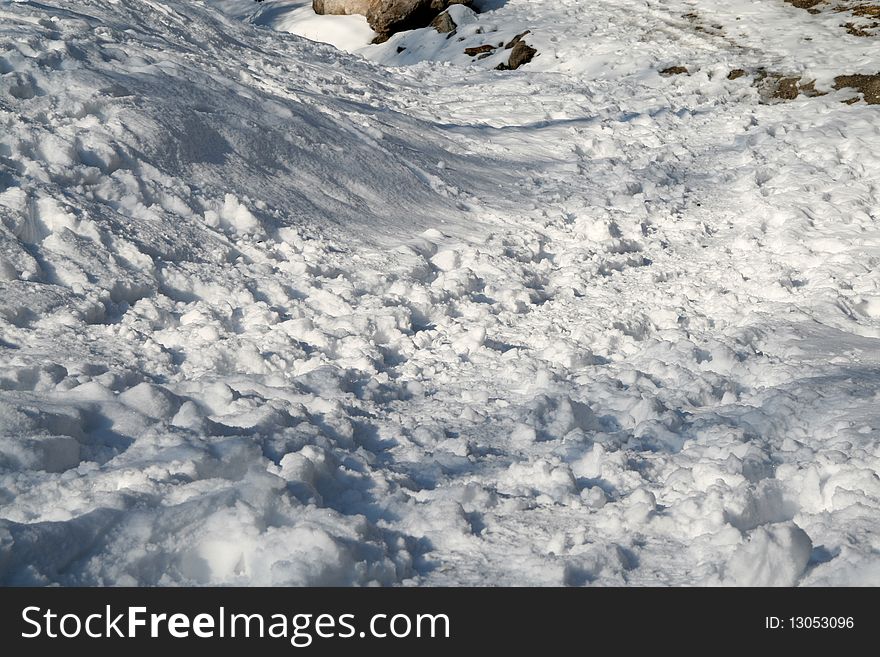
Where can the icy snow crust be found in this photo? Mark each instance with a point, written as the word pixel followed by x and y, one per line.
pixel 273 314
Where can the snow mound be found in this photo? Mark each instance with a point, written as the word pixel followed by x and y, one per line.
pixel 348 33
pixel 774 555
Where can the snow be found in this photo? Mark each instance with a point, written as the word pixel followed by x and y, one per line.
pixel 348 33
pixel 775 555
pixel 274 313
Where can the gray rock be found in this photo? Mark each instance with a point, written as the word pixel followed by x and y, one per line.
pixel 444 23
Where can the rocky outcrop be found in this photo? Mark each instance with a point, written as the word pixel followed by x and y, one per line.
pixel 387 17
pixel 341 7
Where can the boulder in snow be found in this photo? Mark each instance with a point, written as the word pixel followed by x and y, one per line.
pixel 341 7
pixel 520 53
pixel 443 23
pixel 388 17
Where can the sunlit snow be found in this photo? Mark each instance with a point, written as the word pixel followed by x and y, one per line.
pixel 274 313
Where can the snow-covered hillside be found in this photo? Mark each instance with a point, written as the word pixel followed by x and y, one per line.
pixel 272 313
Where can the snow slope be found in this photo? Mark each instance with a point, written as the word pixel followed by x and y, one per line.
pixel 274 314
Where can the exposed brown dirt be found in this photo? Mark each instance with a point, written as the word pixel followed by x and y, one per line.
pixel 809 89
pixel 868 11
pixel 868 85
pixel 862 30
pixel 786 88
pixel 780 87
pixel 775 87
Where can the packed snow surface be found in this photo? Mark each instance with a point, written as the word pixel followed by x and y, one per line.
pixel 272 313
